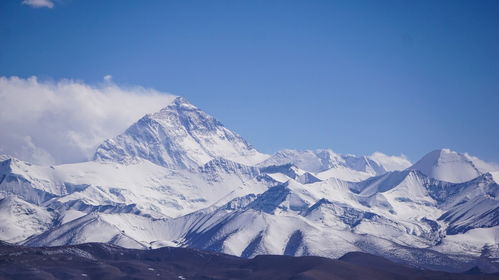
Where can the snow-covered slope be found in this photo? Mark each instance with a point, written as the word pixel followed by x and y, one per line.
pixel 179 178
pixel 33 183
pixel 283 173
pixel 178 136
pixel 450 166
pixel 20 219
pixel 153 189
pixel 473 204
pixel 326 163
pixel 400 215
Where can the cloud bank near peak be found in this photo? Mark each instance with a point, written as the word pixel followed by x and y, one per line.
pixel 64 121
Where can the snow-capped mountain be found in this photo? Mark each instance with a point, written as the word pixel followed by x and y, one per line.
pixel 327 164
pixel 450 166
pixel 178 177
pixel 178 136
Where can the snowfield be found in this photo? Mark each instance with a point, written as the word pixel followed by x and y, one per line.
pixel 179 178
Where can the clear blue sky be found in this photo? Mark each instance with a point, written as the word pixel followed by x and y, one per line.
pixel 355 76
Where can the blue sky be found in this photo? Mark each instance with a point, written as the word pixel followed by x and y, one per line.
pixel 355 76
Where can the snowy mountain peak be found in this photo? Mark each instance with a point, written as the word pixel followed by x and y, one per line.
pixel 328 164
pixel 321 160
pixel 309 160
pixel 180 101
pixel 4 157
pixel 178 136
pixel 450 166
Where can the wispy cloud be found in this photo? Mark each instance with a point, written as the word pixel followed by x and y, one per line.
pixel 108 78
pixel 64 121
pixel 391 163
pixel 39 3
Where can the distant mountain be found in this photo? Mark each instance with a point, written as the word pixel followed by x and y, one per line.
pixel 450 166
pixel 327 164
pixel 179 178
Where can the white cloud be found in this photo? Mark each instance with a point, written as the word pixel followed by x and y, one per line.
pixel 108 78
pixel 39 3
pixel 391 163
pixel 61 122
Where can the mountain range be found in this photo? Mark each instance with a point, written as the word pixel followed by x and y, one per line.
pixel 179 178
